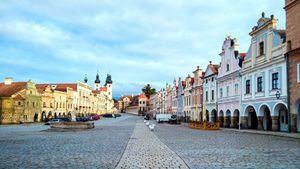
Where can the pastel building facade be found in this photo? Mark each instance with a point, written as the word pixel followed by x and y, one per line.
pixel 210 93
pixel 264 78
pixel 229 84
pixel 180 98
pixel 196 95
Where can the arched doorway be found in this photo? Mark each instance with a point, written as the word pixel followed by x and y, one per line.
pixel 213 117
pixel 221 118
pixel 227 120
pixel 251 121
pixel 43 116
pixel 281 111
pixel 266 119
pixel 236 119
pixel 35 117
pixel 49 115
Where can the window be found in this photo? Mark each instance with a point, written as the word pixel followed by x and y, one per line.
pixel 261 48
pixel 212 95
pixel 275 81
pixel 298 72
pixel 206 95
pixel 259 84
pixel 221 92
pixel 236 88
pixel 247 86
pixel 227 67
pixel 227 91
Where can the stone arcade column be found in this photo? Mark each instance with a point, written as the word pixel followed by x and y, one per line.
pixel 244 122
pixel 293 123
pixel 275 126
pixel 221 120
pixel 260 122
pixel 234 121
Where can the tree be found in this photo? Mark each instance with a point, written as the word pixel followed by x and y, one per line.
pixel 148 90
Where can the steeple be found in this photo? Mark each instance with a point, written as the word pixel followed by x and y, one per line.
pixel 85 78
pixel 108 79
pixel 97 78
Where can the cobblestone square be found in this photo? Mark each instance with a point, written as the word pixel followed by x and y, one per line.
pixel 126 142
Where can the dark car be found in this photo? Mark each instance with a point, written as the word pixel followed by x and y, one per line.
pixel 147 117
pixel 108 115
pixel 118 115
pixel 81 119
pixel 173 119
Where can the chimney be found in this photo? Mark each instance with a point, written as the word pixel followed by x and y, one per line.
pixel 8 80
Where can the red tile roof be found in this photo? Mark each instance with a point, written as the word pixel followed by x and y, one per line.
pixel 41 87
pixel 242 55
pixel 8 90
pixel 63 86
pixel 214 68
pixel 192 81
pixel 19 97
pixel 142 96
pixel 103 89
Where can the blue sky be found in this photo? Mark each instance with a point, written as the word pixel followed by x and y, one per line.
pixel 138 42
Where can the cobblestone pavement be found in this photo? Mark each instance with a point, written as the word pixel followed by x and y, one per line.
pixel 29 146
pixel 228 149
pixel 145 150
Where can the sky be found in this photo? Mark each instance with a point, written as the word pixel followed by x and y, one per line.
pixel 137 42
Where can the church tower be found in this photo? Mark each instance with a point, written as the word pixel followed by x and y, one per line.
pixel 108 84
pixel 97 82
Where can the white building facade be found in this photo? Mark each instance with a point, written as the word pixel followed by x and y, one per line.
pixel 264 81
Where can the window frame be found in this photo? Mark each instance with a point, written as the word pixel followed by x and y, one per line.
pixel 259 83
pixel 298 72
pixel 275 80
pixel 248 86
pixel 261 48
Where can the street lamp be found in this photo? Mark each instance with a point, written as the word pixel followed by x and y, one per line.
pixel 277 94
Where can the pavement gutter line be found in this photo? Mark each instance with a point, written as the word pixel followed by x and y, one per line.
pixel 266 134
pixel 171 150
pixel 126 145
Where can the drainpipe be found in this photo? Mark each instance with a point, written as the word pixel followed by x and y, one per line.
pixel 241 92
pixel 288 91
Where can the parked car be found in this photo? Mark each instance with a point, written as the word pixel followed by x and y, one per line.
pixel 81 119
pixel 163 118
pixel 173 119
pixel 147 117
pixel 118 115
pixel 94 117
pixel 57 120
pixel 107 115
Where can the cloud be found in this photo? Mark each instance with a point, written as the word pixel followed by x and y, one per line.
pixel 138 42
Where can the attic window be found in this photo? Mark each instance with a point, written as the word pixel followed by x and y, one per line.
pixel 261 48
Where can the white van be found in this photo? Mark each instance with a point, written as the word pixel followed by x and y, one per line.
pixel 163 117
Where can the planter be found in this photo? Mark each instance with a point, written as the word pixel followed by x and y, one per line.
pixel 73 125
